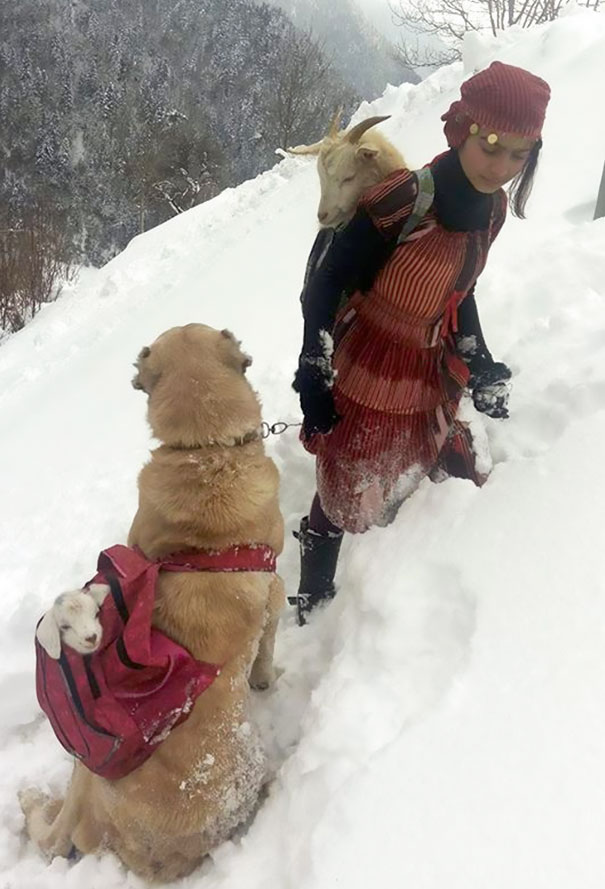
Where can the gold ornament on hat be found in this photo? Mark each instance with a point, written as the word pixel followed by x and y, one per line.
pixel 492 138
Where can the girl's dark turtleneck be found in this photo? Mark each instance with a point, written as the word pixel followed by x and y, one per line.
pixel 458 206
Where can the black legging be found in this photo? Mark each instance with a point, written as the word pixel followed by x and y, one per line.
pixel 319 522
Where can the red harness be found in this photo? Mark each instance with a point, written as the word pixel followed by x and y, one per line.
pixel 111 709
pixel 237 558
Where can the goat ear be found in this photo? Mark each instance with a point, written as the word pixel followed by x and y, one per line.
pixel 306 149
pixel 48 635
pixel 367 154
pixel 98 591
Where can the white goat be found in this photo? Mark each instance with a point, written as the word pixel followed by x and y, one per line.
pixel 348 162
pixel 73 618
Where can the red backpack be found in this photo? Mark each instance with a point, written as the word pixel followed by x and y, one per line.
pixel 113 707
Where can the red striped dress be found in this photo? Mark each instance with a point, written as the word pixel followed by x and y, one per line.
pixel 399 378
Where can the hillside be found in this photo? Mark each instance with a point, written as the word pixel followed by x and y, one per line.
pixel 440 725
pixel 361 54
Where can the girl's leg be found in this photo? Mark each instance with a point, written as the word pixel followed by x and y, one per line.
pixel 319 541
pixel 319 523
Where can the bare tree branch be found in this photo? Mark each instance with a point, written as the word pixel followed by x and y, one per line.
pixel 450 20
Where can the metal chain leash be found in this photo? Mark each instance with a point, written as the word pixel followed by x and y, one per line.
pixel 276 428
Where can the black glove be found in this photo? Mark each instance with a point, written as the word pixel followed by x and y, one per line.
pixel 313 382
pixel 491 390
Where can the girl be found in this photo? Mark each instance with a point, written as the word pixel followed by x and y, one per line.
pixel 380 379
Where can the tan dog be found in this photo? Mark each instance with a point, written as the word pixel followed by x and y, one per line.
pixel 208 486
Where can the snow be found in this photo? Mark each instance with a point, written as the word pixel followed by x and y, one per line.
pixel 440 725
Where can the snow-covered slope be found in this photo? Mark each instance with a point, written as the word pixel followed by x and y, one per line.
pixel 441 724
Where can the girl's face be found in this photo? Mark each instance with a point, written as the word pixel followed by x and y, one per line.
pixel 488 167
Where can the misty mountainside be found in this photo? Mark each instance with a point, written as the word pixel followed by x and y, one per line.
pixel 118 114
pixel 363 56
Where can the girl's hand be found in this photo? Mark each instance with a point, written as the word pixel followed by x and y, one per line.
pixel 491 390
pixel 313 382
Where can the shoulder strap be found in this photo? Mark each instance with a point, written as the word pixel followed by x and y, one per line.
pixel 422 204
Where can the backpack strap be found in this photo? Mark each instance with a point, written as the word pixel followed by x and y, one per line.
pixel 422 204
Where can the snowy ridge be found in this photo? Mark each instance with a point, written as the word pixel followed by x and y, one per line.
pixel 440 725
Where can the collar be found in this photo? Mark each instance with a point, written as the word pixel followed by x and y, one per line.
pixel 458 206
pixel 237 441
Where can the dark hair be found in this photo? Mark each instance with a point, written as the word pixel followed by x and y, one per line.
pixel 522 185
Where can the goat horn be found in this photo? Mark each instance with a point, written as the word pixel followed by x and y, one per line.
pixel 359 129
pixel 335 124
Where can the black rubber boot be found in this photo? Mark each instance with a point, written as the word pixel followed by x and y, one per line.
pixel 318 559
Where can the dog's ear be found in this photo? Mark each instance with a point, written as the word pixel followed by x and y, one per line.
pixel 238 359
pixel 98 591
pixel 48 635
pixel 145 378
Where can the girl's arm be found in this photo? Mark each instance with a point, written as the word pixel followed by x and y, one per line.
pixel 489 379
pixel 358 249
pixel 355 253
pixel 470 341
pixel 351 262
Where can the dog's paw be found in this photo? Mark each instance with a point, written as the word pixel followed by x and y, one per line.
pixel 31 798
pixel 263 679
pixel 261 684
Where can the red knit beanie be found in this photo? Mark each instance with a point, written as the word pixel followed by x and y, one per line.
pixel 502 98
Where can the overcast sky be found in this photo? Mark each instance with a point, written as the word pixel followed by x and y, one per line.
pixel 378 12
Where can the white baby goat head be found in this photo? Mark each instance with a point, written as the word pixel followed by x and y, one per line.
pixel 74 619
